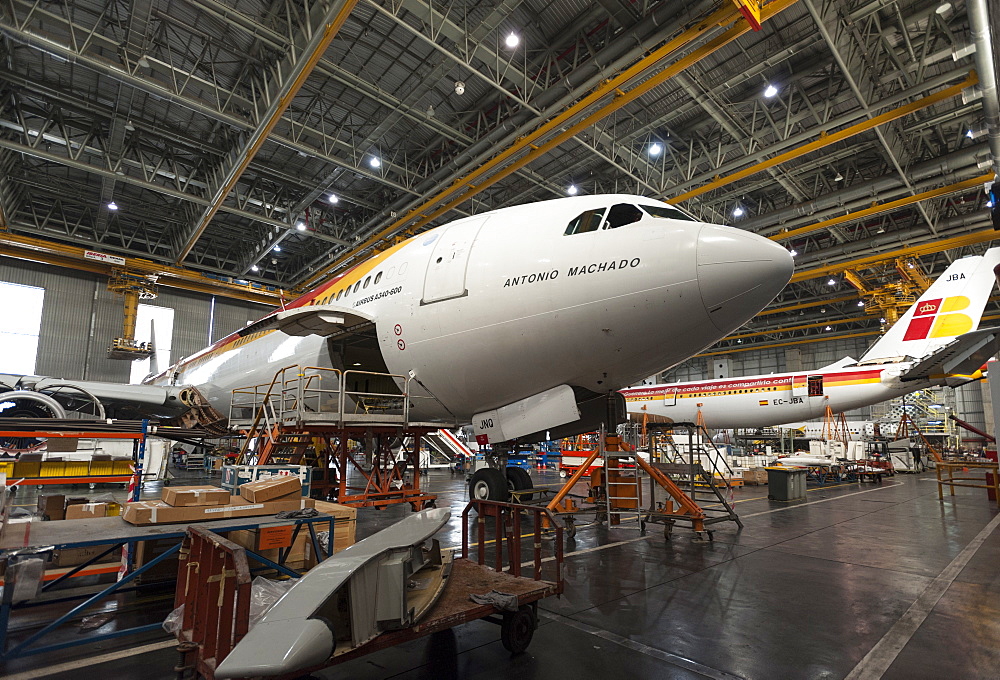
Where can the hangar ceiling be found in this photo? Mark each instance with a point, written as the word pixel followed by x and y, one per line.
pixel 223 131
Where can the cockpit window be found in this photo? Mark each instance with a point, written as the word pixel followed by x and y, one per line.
pixel 588 221
pixel 622 214
pixel 668 212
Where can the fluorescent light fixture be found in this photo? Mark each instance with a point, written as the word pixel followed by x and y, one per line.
pixel 512 40
pixel 770 91
pixel 655 148
pixel 301 226
pixel 738 211
pixel 332 198
pixel 112 206
pixel 572 190
pixel 375 162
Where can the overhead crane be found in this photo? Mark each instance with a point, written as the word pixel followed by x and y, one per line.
pixel 134 288
pixel 889 300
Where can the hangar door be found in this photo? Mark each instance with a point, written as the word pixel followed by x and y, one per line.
pixel 449 263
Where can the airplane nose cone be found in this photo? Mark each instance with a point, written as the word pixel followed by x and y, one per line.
pixel 739 273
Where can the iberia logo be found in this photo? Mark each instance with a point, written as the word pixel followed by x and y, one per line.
pixel 936 319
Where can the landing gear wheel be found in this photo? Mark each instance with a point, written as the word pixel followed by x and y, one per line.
pixel 517 629
pixel 518 479
pixel 570 527
pixel 488 485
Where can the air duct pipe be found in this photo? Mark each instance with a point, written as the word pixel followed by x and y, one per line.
pixel 979 24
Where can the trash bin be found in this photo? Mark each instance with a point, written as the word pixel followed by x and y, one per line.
pixel 786 484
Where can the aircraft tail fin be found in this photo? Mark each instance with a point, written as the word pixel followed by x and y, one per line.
pixel 953 305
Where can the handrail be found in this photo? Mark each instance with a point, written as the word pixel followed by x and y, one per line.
pixel 256 422
pixel 507 528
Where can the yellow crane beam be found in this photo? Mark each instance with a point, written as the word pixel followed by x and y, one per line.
pixel 74 257
pixel 476 181
pixel 260 135
pixel 878 208
pixel 828 139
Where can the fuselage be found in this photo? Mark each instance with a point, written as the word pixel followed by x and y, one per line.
pixel 768 400
pixel 492 308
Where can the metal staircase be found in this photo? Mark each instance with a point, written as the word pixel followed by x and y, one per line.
pixel 700 470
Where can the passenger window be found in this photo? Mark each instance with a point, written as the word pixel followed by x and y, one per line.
pixel 357 286
pixel 588 221
pixel 339 293
pixel 668 212
pixel 378 277
pixel 367 281
pixel 347 291
pixel 622 214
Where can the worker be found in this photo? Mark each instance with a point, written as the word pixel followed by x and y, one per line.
pixel 918 465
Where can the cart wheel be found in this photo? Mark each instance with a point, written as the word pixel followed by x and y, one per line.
pixel 562 474
pixel 711 535
pixel 601 517
pixel 570 527
pixel 517 629
pixel 668 530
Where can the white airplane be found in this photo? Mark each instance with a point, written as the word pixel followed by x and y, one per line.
pixel 517 320
pixel 934 343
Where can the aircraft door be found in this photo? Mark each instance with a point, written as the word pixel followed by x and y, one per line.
pixel 807 386
pixel 448 265
pixel 670 398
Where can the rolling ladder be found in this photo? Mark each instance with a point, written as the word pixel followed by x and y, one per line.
pixel 623 498
pixel 704 476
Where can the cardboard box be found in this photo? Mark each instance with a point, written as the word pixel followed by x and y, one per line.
pixel 86 510
pixel 71 557
pixel 186 496
pixel 52 506
pixel 144 513
pixel 755 476
pixel 344 525
pixel 234 476
pixel 271 489
pixel 146 551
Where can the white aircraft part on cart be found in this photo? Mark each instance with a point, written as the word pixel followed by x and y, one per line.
pixel 366 588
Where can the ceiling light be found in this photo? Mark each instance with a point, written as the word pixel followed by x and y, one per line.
pixel 512 40
pixel 129 126
pixel 374 162
pixel 861 303
pixel 255 268
pixel 832 282
pixel 970 134
pixel 793 252
pixel 277 249
pixel 143 62
pixel 770 91
pixel 332 198
pixel 738 211
pixel 112 206
pixel 459 88
pixel 301 226
pixel 943 7
pixel 430 110
pixel 572 190
pixel 882 320
pixel 880 230
pixel 838 178
pixel 357 363
pixel 655 148
pixel 828 328
pixel 989 203
pixel 822 310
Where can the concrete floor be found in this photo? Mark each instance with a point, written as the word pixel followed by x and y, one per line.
pixel 857 581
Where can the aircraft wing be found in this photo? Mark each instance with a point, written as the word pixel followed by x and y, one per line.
pixel 160 400
pixel 962 356
pixel 311 320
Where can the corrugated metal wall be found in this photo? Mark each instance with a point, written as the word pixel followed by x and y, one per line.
pixel 80 317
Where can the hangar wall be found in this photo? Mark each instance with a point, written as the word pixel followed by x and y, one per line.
pixel 80 317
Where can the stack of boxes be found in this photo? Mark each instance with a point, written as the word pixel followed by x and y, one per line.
pixel 200 503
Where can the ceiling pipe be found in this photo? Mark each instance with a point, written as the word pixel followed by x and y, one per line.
pixel 979 25
pixel 943 166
